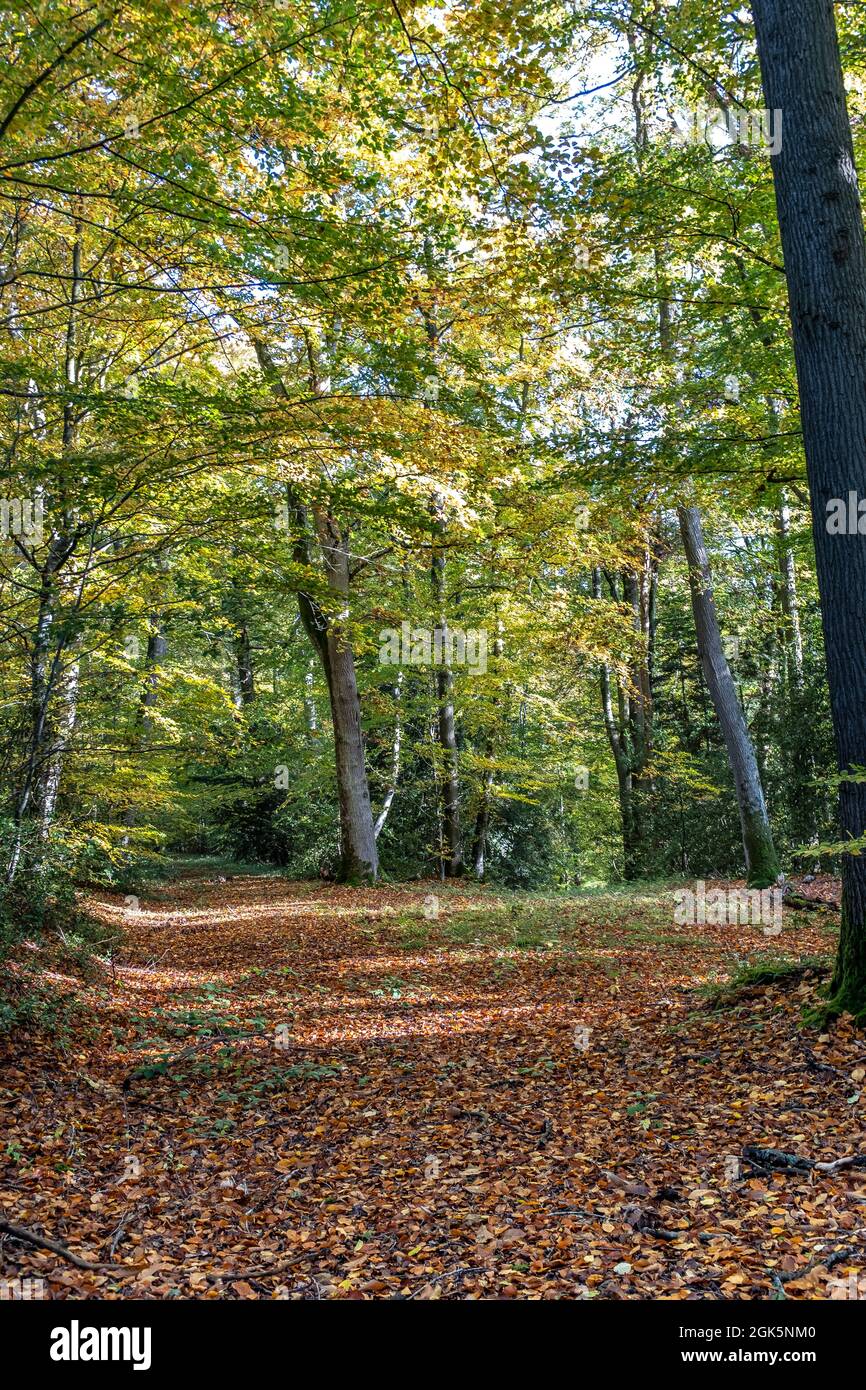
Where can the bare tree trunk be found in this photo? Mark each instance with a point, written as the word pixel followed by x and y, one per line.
pixel 821 224
pixel 244 665
pixel 63 734
pixel 157 649
pixel 762 864
pixel 310 703
pixel 452 846
pixel 482 821
pixel 788 590
pixel 395 763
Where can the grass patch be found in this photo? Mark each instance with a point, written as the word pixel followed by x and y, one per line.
pixel 757 975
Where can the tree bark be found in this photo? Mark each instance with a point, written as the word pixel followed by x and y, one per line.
pixel 821 225
pixel 244 665
pixel 64 729
pixel 43 764
pixel 788 592
pixel 451 851
pixel 359 858
pixel 762 864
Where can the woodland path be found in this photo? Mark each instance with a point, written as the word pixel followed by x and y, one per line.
pixel 332 1095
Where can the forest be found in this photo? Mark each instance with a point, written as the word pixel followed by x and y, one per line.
pixel 432 650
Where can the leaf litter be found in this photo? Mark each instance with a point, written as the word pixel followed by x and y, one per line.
pixel 307 1091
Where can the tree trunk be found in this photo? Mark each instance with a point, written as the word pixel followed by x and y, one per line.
pixel 629 727
pixel 157 649
pixel 479 834
pixel 65 727
pixel 821 225
pixel 45 667
pixel 451 850
pixel 762 864
pixel 310 710
pixel 391 790
pixel 788 592
pixel 359 857
pixel 244 664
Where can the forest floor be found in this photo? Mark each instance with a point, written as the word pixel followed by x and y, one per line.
pixel 295 1090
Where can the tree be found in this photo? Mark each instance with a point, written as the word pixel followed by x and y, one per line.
pixel 821 226
pixel 762 864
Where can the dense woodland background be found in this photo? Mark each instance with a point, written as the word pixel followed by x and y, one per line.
pixel 322 319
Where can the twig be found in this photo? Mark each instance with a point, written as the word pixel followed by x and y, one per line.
pixel 828 1261
pixel 775 1161
pixel 227 1278
pixel 43 1242
pixel 460 1271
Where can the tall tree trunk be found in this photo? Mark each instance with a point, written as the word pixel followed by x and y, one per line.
pixel 34 803
pixel 482 825
pixel 788 591
pixel 762 864
pixel 65 727
pixel 615 727
pixel 310 710
pixel 451 851
pixel 157 649
pixel 482 816
pixel 391 790
pixel 629 725
pixel 797 736
pixel 244 667
pixel 359 856
pixel 821 224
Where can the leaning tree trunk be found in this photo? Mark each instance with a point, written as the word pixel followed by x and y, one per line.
pixel 821 224
pixel 762 864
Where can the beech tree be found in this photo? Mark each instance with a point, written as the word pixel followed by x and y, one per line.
pixel 821 226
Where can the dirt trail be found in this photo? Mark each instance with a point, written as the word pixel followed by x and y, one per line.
pixel 347 1093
